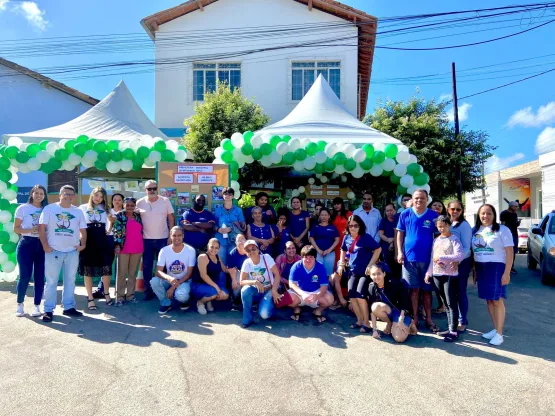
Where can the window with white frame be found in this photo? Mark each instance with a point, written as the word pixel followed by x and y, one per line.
pixel 207 76
pixel 303 75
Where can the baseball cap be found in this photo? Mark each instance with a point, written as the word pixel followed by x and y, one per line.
pixel 251 243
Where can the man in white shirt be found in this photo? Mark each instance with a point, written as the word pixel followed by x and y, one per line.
pixel 178 259
pixel 370 216
pixel 157 216
pixel 63 234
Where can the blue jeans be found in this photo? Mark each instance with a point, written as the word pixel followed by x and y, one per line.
pixel 54 263
pixel 152 248
pixel 250 295
pixel 464 271
pixel 225 248
pixel 328 261
pixel 160 287
pixel 30 257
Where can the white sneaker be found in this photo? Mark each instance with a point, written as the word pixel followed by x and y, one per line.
pixel 497 340
pixel 20 312
pixel 209 307
pixel 490 334
pixel 36 312
pixel 201 308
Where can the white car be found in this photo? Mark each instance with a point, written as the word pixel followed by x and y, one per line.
pixel 522 239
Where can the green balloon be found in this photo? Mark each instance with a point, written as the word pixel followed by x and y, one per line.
pixel 266 149
pixel 247 136
pixel 181 147
pixel 339 158
pixel 227 145
pixel 401 190
pixel 90 144
pixel 5 175
pixel 288 158
pixel 4 163
pixel 160 145
pixel 319 168
pixel 55 164
pixel 274 141
pixel 143 152
pixel 128 154
pixel 138 163
pixel 4 237
pixel 312 148
pixel 4 204
pixel 22 157
pixel 300 154
pixel 13 187
pixel 82 139
pixel 286 138
pixel 3 150
pixel 234 176
pixel 8 247
pixel 387 173
pixel 350 165
pixel 103 157
pixel 11 152
pixel 421 179
pixel 247 149
pixel 256 154
pixel 378 157
pixel 233 166
pixel 61 154
pixel 99 147
pixel 116 155
pixel 329 165
pixel 227 156
pixel 43 144
pixel 80 149
pixel 69 146
pixel 322 145
pixel 369 149
pixel 45 167
pixel 12 208
pixel 391 150
pixel 413 169
pixel 168 155
pixel 33 149
pixel 112 145
pixel 366 164
pixel 100 165
pixel 395 179
pixel 302 196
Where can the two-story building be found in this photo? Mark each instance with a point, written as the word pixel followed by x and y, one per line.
pixel 272 49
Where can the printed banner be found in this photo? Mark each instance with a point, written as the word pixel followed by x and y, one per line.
pixel 516 190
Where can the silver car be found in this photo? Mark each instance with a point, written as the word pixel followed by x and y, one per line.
pixel 541 248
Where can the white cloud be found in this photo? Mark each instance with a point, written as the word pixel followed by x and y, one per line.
pixel 33 14
pixel 463 112
pixel 546 141
pixel 3 4
pixel 496 163
pixel 527 118
pixel 445 97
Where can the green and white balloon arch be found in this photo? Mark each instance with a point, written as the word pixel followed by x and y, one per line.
pixel 47 156
pixel 319 157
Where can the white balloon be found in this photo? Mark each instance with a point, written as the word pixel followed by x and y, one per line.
pixel 407 181
pixel 320 157
pixel 135 144
pixel 256 141
pixel 294 144
pixel 266 137
pixel 357 172
pixel 14 178
pixel 388 164
pixel 348 149
pixel 305 142
pixel 25 168
pixel 73 158
pixel 87 163
pixel 237 154
pixel 412 189
pixel 237 139
pixel 400 170
pixel 9 194
pixel 33 164
pixel 236 187
pixel 9 268
pixel 124 144
pixel 282 148
pixel 24 146
pixel 62 143
pixel 298 165
pixel 301 189
pixel 275 157
pixel 266 161
pixel 412 159
pixel 309 163
pixel 51 147
pixel 67 165
pixel 14 166
pixel 14 238
pixel 126 165
pixel 90 155
pixel 402 148
pixel 379 147
pixel 15 141
pixel 180 155
pixel 3 257
pixel 430 199
pixel 376 170
pixel 359 155
pixel 403 158
pixel 5 217
pixel 324 179
pixel 249 159
pixel 218 152
pixel 343 178
pixel 113 167
pixel 241 162
pixel 155 156
pixel 339 169
pixel 426 188
pixel 43 156
pixel 331 149
pixel 318 175
pixel 351 195
pixel 170 145
pixel 295 193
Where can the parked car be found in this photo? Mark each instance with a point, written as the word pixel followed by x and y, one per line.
pixel 541 248
pixel 522 239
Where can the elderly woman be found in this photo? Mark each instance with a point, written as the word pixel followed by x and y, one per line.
pixel 208 279
pixel 259 283
pixel 261 233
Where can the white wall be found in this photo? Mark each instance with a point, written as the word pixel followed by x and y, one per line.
pixel 265 76
pixel 26 105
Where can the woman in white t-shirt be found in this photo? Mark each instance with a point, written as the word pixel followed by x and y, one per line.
pixel 492 245
pixel 29 252
pixel 259 283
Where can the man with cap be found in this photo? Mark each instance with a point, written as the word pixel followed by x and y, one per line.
pixel 509 218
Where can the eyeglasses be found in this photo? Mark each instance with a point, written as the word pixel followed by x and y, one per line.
pixel 455 209
pixel 68 195
pixel 353 226
pixel 152 189
pixel 251 250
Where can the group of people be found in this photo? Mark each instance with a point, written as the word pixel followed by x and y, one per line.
pixel 382 268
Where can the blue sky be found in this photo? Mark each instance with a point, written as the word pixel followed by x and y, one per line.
pixel 520 118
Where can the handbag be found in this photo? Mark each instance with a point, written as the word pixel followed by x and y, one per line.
pixel 286 298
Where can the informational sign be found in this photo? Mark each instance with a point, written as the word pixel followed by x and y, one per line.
pixel 23 193
pixel 182 182
pixel 325 194
pixel 518 190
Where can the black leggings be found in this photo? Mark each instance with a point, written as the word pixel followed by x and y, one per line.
pixel 448 287
pixel 358 286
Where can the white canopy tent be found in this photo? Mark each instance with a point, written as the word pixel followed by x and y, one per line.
pixel 116 117
pixel 321 116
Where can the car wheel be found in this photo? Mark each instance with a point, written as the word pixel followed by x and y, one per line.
pixel 546 278
pixel 531 261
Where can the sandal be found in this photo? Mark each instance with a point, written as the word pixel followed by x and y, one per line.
pixel 296 315
pixel 109 300
pixel 355 326
pixel 319 318
pixel 433 328
pixel 93 306
pixel 364 329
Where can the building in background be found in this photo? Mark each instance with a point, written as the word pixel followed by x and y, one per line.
pixel 201 42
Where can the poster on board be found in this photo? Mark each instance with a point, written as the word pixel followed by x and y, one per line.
pixel 518 190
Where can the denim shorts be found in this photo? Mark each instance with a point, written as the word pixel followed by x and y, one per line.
pixel 396 314
pixel 413 276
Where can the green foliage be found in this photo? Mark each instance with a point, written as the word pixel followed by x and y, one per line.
pixel 222 113
pixel 246 201
pixel 423 126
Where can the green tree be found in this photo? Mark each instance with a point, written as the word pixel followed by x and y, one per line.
pixel 222 113
pixel 424 127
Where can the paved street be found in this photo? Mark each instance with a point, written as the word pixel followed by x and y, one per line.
pixel 131 361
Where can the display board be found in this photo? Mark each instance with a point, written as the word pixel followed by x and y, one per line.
pixel 517 189
pixel 182 182
pixel 324 193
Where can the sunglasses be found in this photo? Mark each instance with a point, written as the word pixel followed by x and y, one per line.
pixel 353 226
pixel 251 250
pixel 152 189
pixel 455 209
pixel 129 199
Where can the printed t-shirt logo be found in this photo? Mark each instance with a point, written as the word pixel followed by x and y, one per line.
pixel 427 224
pixel 176 267
pixel 95 214
pixel 314 278
pixel 259 274
pixel 480 244
pixel 64 223
pixel 35 218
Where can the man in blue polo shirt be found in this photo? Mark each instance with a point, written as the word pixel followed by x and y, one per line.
pixel 308 283
pixel 415 239
pixel 199 224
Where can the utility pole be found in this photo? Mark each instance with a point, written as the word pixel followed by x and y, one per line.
pixel 483 183
pixel 456 111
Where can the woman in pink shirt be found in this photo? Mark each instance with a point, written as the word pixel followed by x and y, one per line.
pixel 128 241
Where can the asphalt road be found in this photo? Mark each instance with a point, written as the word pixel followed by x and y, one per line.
pixel 131 361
